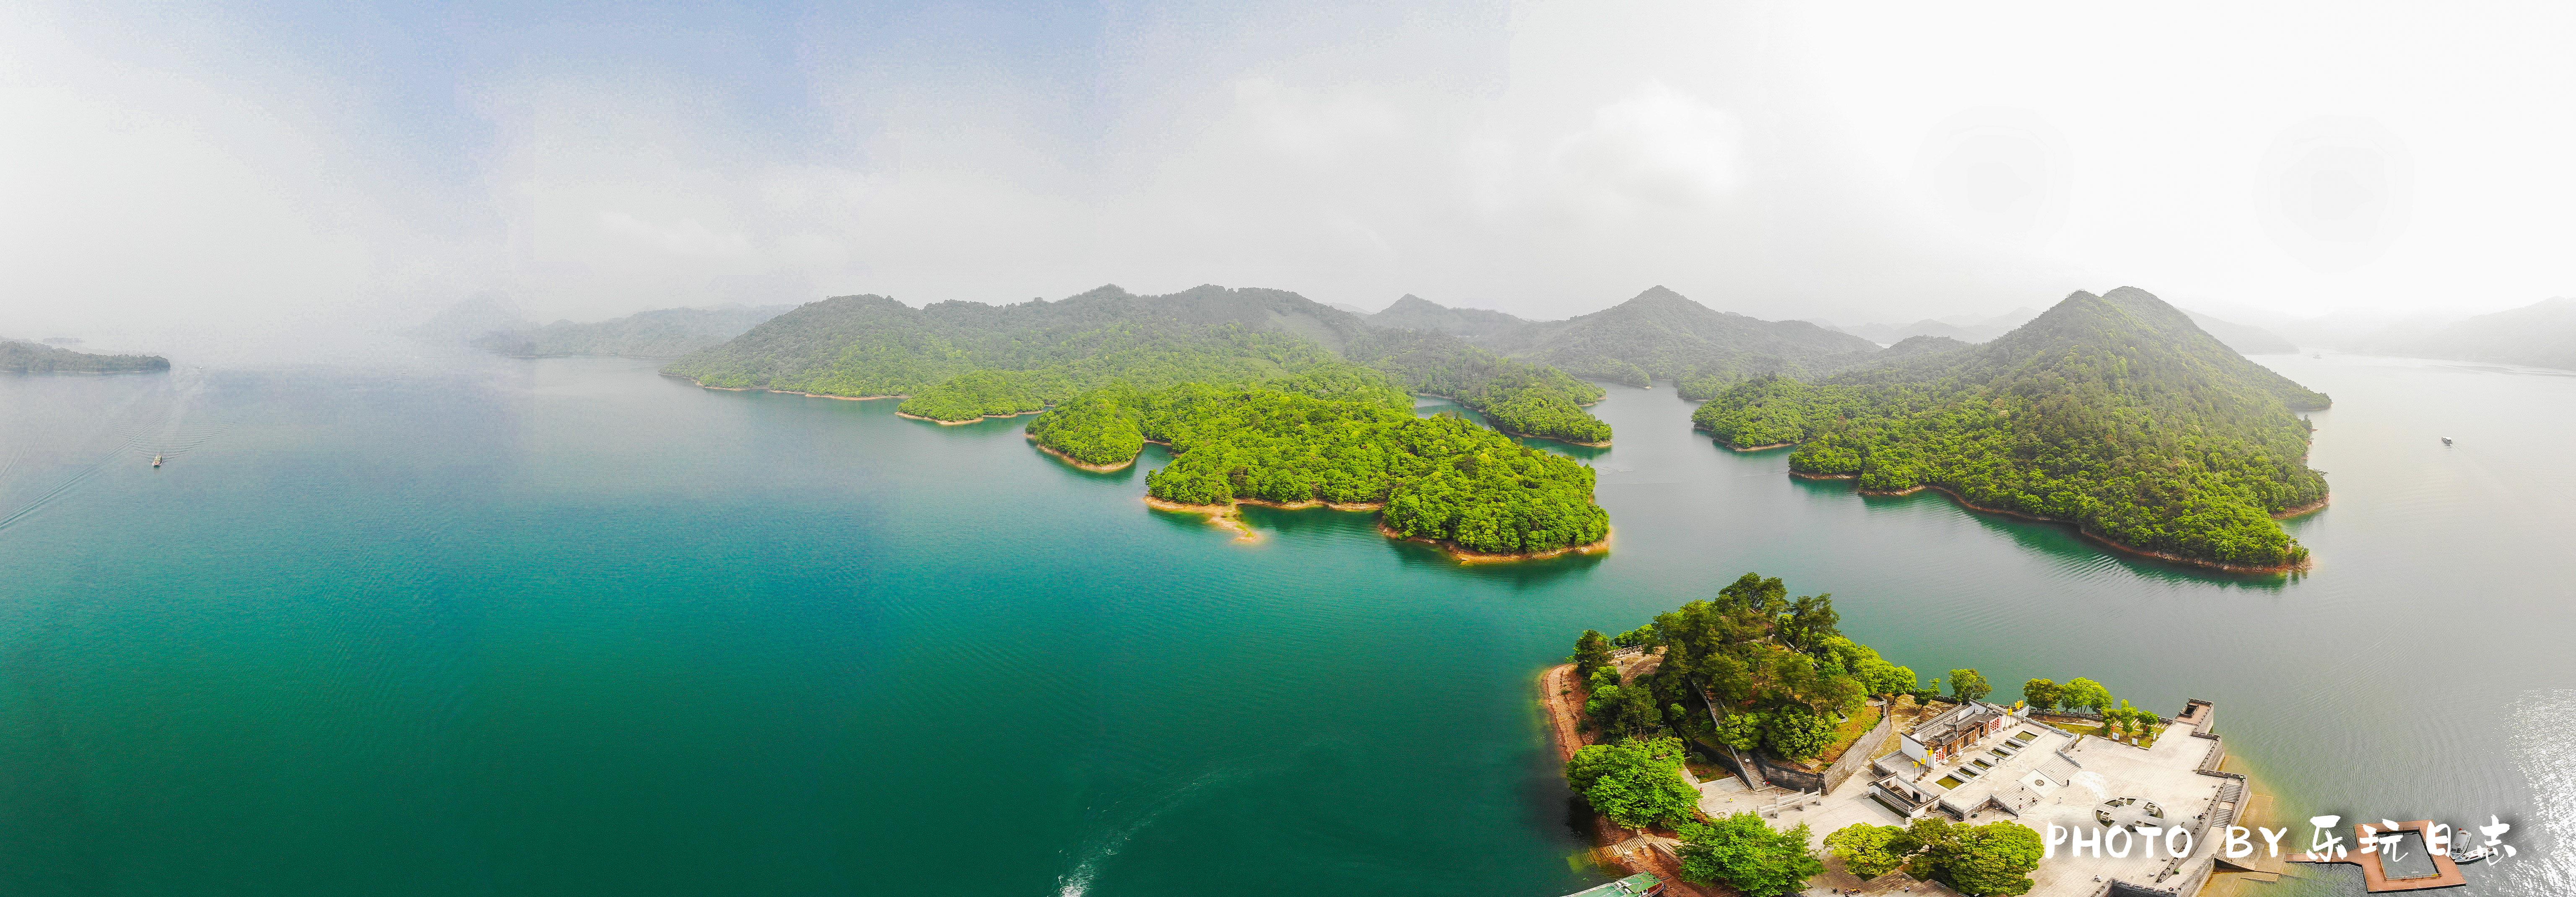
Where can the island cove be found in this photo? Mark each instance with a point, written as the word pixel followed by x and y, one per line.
pixel 1445 481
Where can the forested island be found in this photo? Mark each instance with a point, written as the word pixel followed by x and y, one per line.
pixel 1337 440
pixel 660 333
pixel 2114 413
pixel 964 361
pixel 19 357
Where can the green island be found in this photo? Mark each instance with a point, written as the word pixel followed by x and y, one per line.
pixel 1341 441
pixel 2114 413
pixel 955 362
pixel 19 357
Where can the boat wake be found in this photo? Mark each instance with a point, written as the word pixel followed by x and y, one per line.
pixel 1077 881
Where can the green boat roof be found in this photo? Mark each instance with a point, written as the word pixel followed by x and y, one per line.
pixel 1626 887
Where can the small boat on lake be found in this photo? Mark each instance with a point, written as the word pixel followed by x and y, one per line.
pixel 156 459
pixel 2446 440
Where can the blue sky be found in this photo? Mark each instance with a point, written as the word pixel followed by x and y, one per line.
pixel 256 165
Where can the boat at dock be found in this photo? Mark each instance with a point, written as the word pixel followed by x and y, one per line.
pixel 1642 884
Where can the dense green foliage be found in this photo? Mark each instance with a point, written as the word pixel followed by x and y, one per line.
pixel 1635 783
pixel 1969 685
pixel 2082 692
pixel 959 361
pixel 1520 397
pixel 1093 428
pixel 1776 672
pixel 1990 859
pixel 1741 852
pixel 36 358
pixel 2040 694
pixel 978 394
pixel 1591 653
pixel 662 333
pixel 2113 412
pixel 1870 851
pixel 1438 478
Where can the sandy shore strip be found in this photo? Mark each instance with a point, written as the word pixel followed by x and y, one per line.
pixel 1470 556
pixel 957 423
pixel 1221 516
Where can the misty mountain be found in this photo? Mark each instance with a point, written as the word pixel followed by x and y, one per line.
pixel 18 357
pixel 662 333
pixel 2245 338
pixel 1662 335
pixel 1964 328
pixel 959 360
pixel 2113 412
pixel 2542 334
pixel 1416 313
pixel 471 319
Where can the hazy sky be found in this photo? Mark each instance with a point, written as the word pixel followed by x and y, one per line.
pixel 245 167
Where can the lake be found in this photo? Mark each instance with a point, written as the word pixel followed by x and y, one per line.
pixel 564 626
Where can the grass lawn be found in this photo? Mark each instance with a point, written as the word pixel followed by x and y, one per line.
pixel 1844 735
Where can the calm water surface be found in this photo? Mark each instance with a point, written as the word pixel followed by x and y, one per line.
pixel 568 627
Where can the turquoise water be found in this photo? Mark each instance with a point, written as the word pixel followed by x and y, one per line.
pixel 567 627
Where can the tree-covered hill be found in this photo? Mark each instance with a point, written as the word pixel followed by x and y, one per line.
pixel 961 360
pixel 1416 313
pixel 661 333
pixel 2113 412
pixel 36 358
pixel 1438 478
pixel 1664 336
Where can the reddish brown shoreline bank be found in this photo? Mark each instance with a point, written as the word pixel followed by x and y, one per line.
pixel 1564 699
pixel 1229 516
pixel 2096 538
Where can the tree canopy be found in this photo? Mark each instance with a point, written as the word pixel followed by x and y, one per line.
pixel 2112 412
pixel 1637 783
pixel 1741 852
pixel 1776 670
pixel 1969 685
pixel 1990 859
pixel 1870 851
pixel 1437 478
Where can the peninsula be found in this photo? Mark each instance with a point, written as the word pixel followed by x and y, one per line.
pixel 17 357
pixel 2113 413
pixel 964 361
pixel 1441 479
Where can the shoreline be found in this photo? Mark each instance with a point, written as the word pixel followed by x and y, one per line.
pixel 1563 697
pixel 960 423
pixel 1230 517
pixel 2223 566
pixel 1470 556
pixel 2303 510
pixel 821 395
pixel 1086 465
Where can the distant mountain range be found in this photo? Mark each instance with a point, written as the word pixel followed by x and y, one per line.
pixel 18 357
pixel 1657 335
pixel 1964 328
pixel 661 333
pixel 957 361
pixel 2243 338
pixel 2542 334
